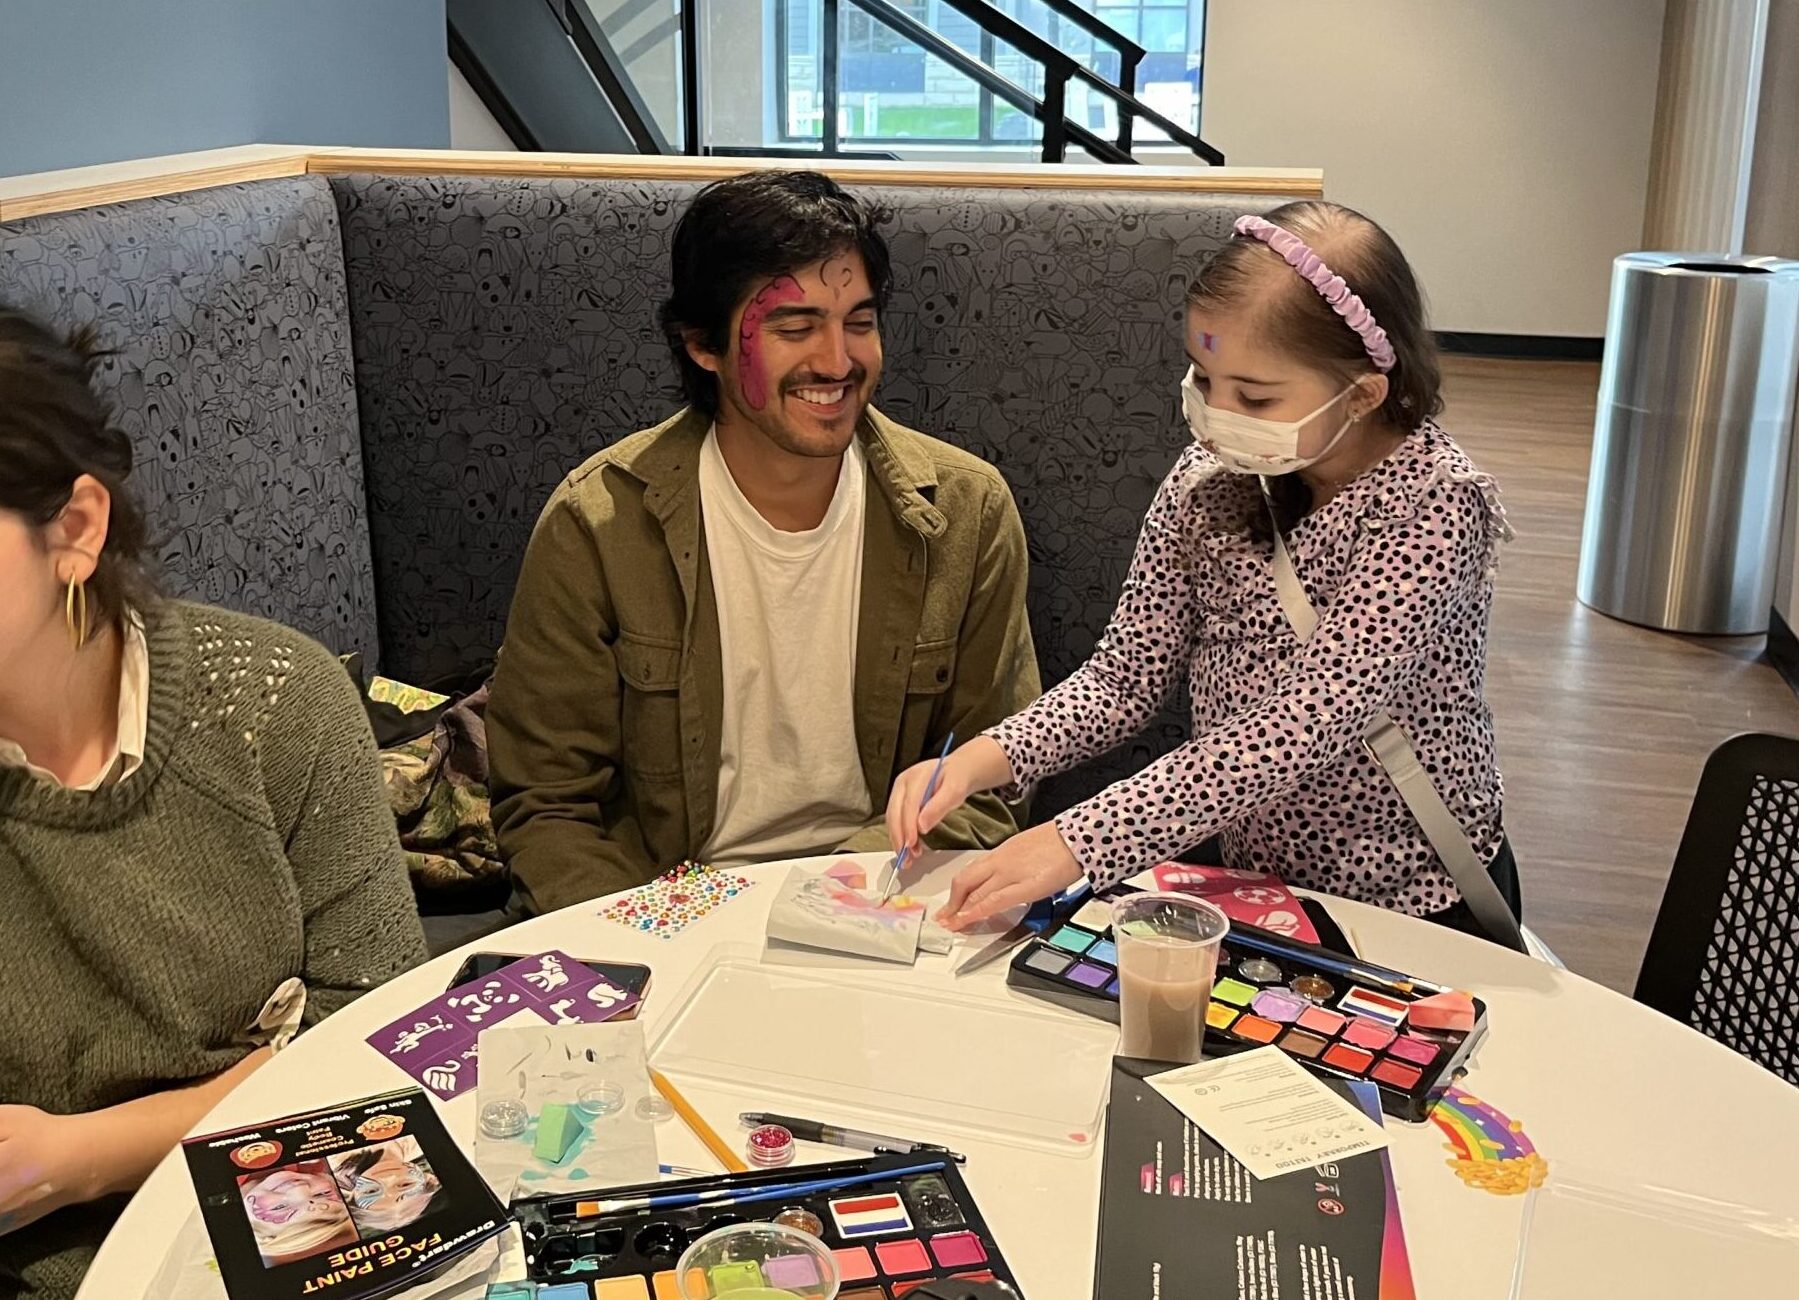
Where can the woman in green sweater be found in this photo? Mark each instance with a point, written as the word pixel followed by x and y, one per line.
pixel 196 853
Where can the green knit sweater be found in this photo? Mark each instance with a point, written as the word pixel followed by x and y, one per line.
pixel 144 926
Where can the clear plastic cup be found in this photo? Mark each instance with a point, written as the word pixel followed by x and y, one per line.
pixel 757 1261
pixel 1167 958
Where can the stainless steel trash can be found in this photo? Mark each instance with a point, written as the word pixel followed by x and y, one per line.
pixel 1690 441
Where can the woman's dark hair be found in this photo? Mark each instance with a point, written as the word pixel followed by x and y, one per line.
pixel 53 429
pixel 1290 315
pixel 744 230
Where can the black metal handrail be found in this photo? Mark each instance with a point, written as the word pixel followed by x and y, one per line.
pixel 608 69
pixel 1033 46
pixel 1130 54
pixel 1051 110
pixel 788 151
pixel 690 78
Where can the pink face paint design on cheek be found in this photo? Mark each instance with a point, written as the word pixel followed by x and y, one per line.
pixel 781 289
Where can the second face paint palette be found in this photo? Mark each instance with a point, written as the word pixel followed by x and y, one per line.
pixel 1335 1014
pixel 889 1235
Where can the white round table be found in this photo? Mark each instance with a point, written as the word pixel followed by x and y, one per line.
pixel 1604 1087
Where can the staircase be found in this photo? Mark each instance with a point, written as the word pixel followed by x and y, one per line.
pixel 635 76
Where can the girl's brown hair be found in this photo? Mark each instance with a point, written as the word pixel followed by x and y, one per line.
pixel 53 429
pixel 1289 314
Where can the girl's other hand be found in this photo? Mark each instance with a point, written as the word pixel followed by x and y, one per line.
pixel 1031 865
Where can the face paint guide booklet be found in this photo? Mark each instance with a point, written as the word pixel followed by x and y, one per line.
pixel 349 1202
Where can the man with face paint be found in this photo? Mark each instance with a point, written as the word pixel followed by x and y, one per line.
pixel 732 631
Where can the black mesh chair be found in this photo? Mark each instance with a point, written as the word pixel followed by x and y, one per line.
pixel 1724 956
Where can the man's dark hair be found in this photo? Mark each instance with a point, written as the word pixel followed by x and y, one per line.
pixel 746 229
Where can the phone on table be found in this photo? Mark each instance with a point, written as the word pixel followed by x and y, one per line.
pixel 628 976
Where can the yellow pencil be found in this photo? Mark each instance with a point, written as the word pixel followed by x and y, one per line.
pixel 701 1129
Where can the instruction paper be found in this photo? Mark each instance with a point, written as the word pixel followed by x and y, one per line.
pixel 1268 1112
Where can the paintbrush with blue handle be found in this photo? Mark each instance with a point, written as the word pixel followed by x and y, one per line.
pixel 899 859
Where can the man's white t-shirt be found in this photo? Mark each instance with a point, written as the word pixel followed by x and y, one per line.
pixel 790 776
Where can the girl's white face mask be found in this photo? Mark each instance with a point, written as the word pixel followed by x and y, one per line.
pixel 1249 444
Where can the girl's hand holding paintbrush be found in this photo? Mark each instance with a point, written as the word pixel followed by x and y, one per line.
pixel 1029 866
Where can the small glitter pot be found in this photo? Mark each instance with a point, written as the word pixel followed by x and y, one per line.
pixel 597 1100
pixel 769 1147
pixel 1314 988
pixel 801 1219
pixel 504 1118
pixel 1259 970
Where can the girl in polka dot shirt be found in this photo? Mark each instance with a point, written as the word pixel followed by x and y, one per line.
pixel 1312 395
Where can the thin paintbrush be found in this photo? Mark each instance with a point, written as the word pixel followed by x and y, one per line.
pixel 899 860
pixel 1372 976
pixel 746 1195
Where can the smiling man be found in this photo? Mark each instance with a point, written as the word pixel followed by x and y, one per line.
pixel 733 630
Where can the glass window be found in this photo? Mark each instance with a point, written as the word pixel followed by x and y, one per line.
pixel 891 91
pixel 1165 31
pixel 1121 18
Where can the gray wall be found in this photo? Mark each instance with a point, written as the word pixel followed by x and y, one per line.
pixel 93 81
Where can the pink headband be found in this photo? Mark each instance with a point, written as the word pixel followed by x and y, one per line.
pixel 1329 285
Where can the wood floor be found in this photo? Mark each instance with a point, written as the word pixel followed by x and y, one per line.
pixel 1603 726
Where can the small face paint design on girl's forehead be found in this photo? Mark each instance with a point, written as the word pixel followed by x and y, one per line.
pixel 1208 342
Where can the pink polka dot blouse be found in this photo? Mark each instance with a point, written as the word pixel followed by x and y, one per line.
pixel 1400 566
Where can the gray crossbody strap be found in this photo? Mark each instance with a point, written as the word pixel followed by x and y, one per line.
pixel 1390 748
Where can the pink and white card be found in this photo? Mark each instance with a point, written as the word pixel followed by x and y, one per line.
pixel 1254 897
pixel 436 1043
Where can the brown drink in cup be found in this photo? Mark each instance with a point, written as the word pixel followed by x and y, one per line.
pixel 1167 957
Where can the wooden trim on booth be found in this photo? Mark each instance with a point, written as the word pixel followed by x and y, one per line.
pixel 144 178
pixel 1298 184
pixel 85 187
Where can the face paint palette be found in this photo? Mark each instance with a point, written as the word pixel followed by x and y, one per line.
pixel 1333 1013
pixel 889 1233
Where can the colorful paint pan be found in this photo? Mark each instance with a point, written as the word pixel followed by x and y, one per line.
pixel 1419 1051
pixel 1376 1006
pixel 1320 1021
pixel 1369 1034
pixel 1256 1029
pixel 854 1263
pixel 1279 1004
pixel 870 1216
pixel 1233 992
pixel 958 1250
pixel 903 1258
pixel 1085 972
pixel 1396 1074
pixel 1300 1043
pixel 1219 1016
pixel 1351 1059
pixel 796 1273
pixel 1049 962
pixel 1073 939
pixel 1093 915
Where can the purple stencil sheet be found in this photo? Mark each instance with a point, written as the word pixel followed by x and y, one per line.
pixel 436 1043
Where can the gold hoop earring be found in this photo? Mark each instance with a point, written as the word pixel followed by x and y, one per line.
pixel 74 611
